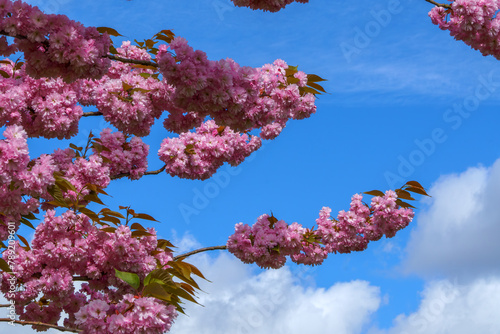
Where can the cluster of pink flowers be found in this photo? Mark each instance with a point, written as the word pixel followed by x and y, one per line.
pixel 130 98
pixel 130 315
pixel 242 98
pixel 44 107
pixel 266 5
pixel 474 22
pixel 14 179
pixel 124 157
pixel 269 241
pixel 25 182
pixel 53 45
pixel 69 245
pixel 198 155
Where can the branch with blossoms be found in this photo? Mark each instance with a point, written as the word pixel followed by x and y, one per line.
pixel 442 5
pixel 270 241
pixel 40 325
pixel 474 22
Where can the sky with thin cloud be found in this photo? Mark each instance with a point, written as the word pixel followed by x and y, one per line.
pixel 405 102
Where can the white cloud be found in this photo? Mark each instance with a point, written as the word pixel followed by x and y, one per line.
pixel 274 301
pixel 448 308
pixel 458 234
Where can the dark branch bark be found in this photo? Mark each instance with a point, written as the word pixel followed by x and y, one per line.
pixel 28 323
pixel 92 113
pixel 132 61
pixel 199 251
pixel 154 172
pixel 439 4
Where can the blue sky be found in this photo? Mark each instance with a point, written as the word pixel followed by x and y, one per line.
pixel 409 103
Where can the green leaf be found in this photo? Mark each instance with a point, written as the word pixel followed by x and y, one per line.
pixel 27 223
pixel 136 234
pixel 417 191
pixel 314 78
pixel 77 148
pixel 144 216
pixel 414 184
pixel 130 278
pixel 404 195
pixel 309 90
pixel 4 266
pixel 30 216
pixel 110 219
pixel 89 213
pixel 157 291
pixel 164 243
pixel 161 276
pixel 126 86
pixel 150 43
pixel 92 197
pixel 108 212
pixel 163 38
pixel 404 204
pixel 109 31
pixel 4 74
pixel 316 86
pixel 179 292
pixel 137 226
pixel 24 241
pixel 374 193
pixel 196 271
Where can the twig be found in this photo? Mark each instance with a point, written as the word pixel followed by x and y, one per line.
pixel 439 4
pixel 27 323
pixel 92 113
pixel 153 172
pixel 132 61
pixel 5 305
pixel 199 251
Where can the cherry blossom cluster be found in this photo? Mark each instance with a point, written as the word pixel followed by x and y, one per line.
pixel 122 157
pixel 474 22
pixel 53 45
pixel 269 241
pixel 130 315
pixel 44 107
pixel 70 245
pixel 24 182
pixel 15 180
pixel 242 98
pixel 198 155
pixel 266 5
pixel 130 98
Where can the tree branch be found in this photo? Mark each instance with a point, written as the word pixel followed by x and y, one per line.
pixel 439 4
pixel 154 172
pixel 199 251
pixel 92 113
pixel 27 323
pixel 132 61
pixel 5 305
